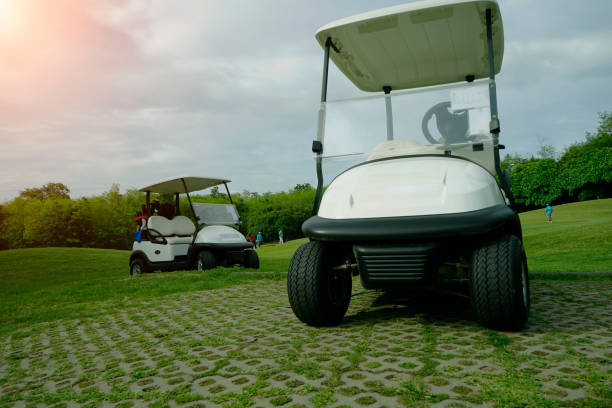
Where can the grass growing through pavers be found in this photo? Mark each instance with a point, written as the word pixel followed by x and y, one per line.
pixel 261 355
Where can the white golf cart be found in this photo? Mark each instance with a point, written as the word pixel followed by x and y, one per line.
pixel 420 198
pixel 167 240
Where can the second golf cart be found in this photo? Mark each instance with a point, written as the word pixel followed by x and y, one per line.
pixel 413 169
pixel 167 240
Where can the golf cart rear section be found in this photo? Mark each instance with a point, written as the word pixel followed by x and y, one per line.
pixel 225 254
pixel 167 240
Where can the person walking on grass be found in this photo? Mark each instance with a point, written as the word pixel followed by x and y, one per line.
pixel 548 211
pixel 259 239
pixel 280 237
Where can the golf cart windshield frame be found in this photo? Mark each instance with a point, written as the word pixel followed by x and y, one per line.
pixel 494 124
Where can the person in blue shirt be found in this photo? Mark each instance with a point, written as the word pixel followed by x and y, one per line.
pixel 280 237
pixel 259 239
pixel 548 211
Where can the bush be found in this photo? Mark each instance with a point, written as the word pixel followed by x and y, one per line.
pixel 583 172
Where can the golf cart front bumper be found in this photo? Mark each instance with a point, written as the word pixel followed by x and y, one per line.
pixel 392 251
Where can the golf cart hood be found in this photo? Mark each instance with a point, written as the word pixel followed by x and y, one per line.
pixel 219 234
pixel 415 45
pixel 410 186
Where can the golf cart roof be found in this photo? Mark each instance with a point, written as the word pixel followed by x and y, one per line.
pixel 417 44
pixel 177 186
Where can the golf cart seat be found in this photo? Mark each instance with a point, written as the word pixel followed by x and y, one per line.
pixel 178 230
pixel 392 148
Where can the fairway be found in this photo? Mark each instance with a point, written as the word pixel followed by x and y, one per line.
pixel 75 328
pixel 578 240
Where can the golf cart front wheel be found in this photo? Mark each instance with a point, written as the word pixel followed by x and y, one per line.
pixel 319 294
pixel 500 284
pixel 252 259
pixel 206 260
pixel 138 267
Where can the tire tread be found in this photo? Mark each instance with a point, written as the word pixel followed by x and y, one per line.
pixel 496 300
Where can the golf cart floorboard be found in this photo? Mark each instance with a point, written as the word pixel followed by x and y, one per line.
pixel 484 222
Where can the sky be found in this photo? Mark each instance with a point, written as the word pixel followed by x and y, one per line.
pixel 138 91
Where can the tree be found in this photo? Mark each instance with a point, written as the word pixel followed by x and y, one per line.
pixel 599 140
pixel 302 187
pixel 48 191
pixel 511 161
pixel 215 193
pixel 547 152
pixel 536 182
pixel 3 216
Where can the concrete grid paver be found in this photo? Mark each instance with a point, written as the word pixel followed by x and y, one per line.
pixel 242 346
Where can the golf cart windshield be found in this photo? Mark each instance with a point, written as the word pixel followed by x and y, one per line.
pixel 216 214
pixel 443 120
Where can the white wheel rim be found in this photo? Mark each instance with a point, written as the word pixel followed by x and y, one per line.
pixel 136 269
pixel 200 265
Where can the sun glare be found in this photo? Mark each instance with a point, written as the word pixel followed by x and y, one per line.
pixel 10 17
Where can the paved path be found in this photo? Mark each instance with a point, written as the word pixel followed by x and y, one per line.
pixel 243 346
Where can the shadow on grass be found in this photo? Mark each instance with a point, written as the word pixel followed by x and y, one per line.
pixel 448 305
pixel 560 307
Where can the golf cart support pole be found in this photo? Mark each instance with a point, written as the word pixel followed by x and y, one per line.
pixel 389 110
pixel 190 205
pixel 228 193
pixel 317 145
pixel 494 124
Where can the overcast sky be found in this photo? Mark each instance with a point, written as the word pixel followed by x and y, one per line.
pixel 134 92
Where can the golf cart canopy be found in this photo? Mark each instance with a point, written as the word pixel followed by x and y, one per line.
pixel 183 185
pixel 415 45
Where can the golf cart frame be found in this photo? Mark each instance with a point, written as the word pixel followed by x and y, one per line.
pixel 396 252
pixel 191 247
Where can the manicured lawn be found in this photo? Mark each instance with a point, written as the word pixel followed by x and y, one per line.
pixel 43 284
pixel 274 257
pixel 578 240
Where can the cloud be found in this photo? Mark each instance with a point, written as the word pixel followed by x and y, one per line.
pixel 136 91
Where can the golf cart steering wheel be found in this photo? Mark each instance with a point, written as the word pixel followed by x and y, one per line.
pixel 453 126
pixel 157 237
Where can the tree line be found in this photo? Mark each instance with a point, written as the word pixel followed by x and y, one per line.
pixel 47 216
pixel 583 171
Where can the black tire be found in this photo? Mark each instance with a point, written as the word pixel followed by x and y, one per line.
pixel 500 284
pixel 318 294
pixel 138 266
pixel 206 260
pixel 251 259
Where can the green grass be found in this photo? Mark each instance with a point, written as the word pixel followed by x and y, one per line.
pixel 43 284
pixel 578 240
pixel 276 257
